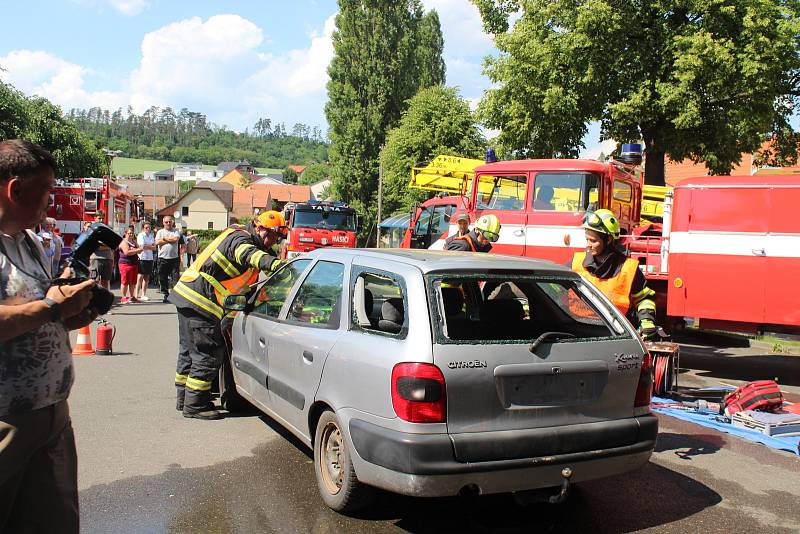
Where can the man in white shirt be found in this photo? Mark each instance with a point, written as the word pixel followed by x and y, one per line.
pixel 38 461
pixel 147 241
pixel 168 254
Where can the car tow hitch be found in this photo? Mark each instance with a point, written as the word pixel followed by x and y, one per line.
pixel 566 474
pixel 544 495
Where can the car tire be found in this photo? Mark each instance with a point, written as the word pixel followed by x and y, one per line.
pixel 229 398
pixel 337 481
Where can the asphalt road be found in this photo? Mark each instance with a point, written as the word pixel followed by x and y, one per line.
pixel 145 468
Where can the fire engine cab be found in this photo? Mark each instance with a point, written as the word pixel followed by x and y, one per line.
pixel 727 251
pixel 74 201
pixel 319 224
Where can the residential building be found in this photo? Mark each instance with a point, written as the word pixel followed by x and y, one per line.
pixel 227 166
pixel 206 206
pixel 321 190
pixel 266 196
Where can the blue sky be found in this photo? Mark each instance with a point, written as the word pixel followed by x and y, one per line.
pixel 234 60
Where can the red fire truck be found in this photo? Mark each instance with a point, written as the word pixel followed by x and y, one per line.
pixel 319 224
pixel 727 253
pixel 74 201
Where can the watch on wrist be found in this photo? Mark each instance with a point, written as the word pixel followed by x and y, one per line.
pixel 55 309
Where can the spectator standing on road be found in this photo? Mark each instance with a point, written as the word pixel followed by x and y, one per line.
pixel 49 227
pixel 147 241
pixel 228 265
pixel 38 461
pixel 167 240
pixel 191 248
pixel 101 263
pixel 129 251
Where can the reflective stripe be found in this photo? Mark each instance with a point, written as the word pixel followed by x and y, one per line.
pixel 180 379
pixel 256 258
pixel 198 385
pixel 241 249
pixel 224 264
pixel 198 300
pixel 191 274
pixel 646 305
pixel 215 284
pixel 645 292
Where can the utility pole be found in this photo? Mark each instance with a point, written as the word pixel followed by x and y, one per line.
pixel 380 198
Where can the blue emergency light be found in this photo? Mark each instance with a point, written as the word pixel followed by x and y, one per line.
pixel 631 154
pixel 491 157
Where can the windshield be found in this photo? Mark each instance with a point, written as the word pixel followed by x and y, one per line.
pixel 518 307
pixel 325 219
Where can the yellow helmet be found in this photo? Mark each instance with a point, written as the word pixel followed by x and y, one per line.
pixel 602 221
pixel 489 226
pixel 272 220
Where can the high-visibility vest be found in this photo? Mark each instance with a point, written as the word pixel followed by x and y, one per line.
pixel 238 282
pixel 617 288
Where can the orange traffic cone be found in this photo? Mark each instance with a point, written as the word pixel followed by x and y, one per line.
pixel 83 346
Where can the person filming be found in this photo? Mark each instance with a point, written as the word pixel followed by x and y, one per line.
pixel 38 460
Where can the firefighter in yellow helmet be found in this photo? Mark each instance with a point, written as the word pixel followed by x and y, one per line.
pixel 605 264
pixel 480 239
pixel 229 265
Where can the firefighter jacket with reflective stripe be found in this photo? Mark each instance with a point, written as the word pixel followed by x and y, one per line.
pixel 229 265
pixel 468 243
pixel 627 288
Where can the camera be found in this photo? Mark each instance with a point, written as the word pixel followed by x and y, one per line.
pixel 78 262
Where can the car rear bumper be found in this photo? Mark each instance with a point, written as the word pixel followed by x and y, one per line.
pixel 442 464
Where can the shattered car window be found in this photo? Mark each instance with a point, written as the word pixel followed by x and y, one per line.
pixel 517 308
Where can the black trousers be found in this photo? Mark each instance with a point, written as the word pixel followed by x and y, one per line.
pixel 167 267
pixel 200 352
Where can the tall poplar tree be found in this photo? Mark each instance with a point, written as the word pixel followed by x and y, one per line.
pixel 377 66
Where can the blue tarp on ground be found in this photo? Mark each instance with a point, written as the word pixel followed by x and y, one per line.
pixel 718 422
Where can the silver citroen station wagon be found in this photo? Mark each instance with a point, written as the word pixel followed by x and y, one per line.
pixel 432 373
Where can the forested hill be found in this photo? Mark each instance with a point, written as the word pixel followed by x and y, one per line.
pixel 189 137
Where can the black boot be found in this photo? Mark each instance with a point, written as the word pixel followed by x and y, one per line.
pixel 207 414
pixel 198 405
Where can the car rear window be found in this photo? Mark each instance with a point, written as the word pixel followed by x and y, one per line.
pixel 518 308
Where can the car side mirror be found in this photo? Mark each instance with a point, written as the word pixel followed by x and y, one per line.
pixel 235 303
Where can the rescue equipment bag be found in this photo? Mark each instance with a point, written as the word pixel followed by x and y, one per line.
pixel 763 395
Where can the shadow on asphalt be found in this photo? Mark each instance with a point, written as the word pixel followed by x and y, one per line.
pixel 686 446
pixel 275 490
pixel 715 363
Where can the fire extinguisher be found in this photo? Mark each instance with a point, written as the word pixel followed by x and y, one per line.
pixel 105 336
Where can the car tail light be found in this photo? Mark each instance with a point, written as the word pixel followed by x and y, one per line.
pixel 418 393
pixel 644 389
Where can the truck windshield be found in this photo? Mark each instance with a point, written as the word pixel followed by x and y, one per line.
pixel 325 219
pixel 518 307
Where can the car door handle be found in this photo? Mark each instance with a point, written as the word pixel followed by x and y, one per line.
pixel 759 252
pixel 262 342
pixel 308 357
pixel 519 233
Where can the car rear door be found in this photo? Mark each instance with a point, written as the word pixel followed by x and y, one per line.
pixel 301 340
pixel 500 385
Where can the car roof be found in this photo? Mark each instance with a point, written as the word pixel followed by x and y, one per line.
pixel 440 260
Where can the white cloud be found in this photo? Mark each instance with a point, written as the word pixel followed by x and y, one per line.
pixel 462 27
pixel 44 74
pixel 129 7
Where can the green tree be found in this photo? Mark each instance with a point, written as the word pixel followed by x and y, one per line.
pixel 430 63
pixel 289 176
pixel 373 72
pixel 315 173
pixel 438 121
pixel 703 80
pixel 12 112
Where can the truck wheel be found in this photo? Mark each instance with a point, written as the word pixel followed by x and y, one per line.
pixel 229 398
pixel 337 481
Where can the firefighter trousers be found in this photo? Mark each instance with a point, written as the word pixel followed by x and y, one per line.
pixel 200 352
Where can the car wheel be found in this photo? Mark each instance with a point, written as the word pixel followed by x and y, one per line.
pixel 229 398
pixel 338 484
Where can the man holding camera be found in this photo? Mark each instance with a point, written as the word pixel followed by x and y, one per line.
pixel 38 461
pixel 229 265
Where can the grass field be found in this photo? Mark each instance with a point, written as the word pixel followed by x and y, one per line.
pixel 132 166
